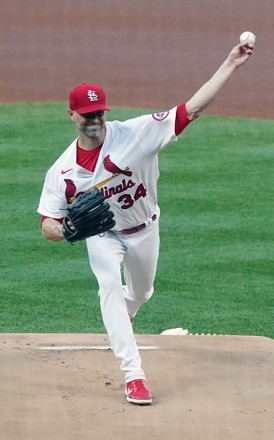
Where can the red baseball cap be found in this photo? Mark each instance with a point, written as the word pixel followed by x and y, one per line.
pixel 86 98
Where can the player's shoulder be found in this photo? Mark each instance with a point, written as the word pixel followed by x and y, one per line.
pixel 153 117
pixel 139 119
pixel 142 122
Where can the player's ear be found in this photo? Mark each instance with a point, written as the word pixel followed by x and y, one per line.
pixel 71 114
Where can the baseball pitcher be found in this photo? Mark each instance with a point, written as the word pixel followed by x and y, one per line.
pixel 103 189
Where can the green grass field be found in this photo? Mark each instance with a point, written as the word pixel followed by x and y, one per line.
pixel 216 266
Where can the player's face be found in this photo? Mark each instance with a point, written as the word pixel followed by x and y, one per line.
pixel 92 124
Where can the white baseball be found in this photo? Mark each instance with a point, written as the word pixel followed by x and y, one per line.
pixel 247 37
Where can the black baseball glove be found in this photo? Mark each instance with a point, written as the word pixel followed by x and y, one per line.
pixel 89 215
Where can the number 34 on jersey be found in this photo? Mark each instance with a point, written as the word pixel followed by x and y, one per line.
pixel 126 200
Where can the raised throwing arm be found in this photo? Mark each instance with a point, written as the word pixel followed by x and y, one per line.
pixel 238 56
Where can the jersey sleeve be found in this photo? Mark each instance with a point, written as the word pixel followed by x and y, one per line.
pixel 155 131
pixel 52 202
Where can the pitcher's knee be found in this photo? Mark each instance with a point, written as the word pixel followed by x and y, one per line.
pixel 148 294
pixel 108 287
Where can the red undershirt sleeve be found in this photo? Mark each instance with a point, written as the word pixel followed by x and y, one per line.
pixel 182 120
pixel 59 220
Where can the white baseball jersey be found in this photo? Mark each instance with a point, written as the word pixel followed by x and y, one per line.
pixel 126 171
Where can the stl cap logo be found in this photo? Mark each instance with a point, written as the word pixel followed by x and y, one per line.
pixel 92 95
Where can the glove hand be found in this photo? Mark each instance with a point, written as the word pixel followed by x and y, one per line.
pixel 89 215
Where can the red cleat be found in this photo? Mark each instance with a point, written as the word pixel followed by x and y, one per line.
pixel 137 392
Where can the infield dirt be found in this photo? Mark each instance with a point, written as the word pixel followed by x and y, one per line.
pixel 69 387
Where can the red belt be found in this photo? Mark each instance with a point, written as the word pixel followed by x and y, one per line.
pixel 137 228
